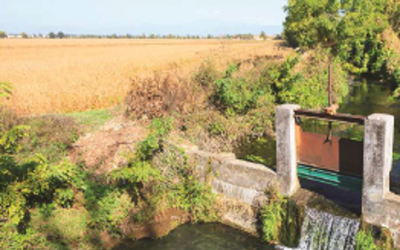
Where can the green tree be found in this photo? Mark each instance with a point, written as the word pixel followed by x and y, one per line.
pixel 60 35
pixel 24 35
pixel 52 35
pixel 393 11
pixel 263 35
pixel 3 34
pixel 351 29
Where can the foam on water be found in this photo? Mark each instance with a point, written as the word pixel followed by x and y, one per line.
pixel 324 231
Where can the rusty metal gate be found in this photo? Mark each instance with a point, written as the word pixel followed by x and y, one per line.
pixel 326 157
pixel 337 154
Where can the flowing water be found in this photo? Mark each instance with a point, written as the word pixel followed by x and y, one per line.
pixel 324 231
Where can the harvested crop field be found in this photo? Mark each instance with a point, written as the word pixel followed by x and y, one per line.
pixel 58 76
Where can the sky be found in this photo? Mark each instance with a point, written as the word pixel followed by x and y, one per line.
pixel 195 17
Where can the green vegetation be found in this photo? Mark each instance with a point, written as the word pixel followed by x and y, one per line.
pixel 307 87
pixel 235 95
pixel 357 33
pixel 3 34
pixel 170 179
pixel 48 202
pixel 93 119
pixel 206 74
pixel 281 221
pixel 50 136
pixel 365 241
pixel 371 238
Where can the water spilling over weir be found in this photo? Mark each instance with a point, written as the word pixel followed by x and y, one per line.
pixel 324 231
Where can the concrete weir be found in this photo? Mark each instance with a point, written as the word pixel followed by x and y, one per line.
pixel 380 207
pixel 242 185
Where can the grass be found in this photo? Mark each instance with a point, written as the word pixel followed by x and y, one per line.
pixel 93 119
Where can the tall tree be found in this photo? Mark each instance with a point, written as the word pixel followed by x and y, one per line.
pixel 349 28
pixel 263 35
pixel 52 35
pixel 3 34
pixel 60 35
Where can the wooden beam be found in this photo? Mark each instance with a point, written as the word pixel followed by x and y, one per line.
pixel 357 119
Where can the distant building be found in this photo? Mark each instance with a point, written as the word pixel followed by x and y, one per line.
pixel 14 36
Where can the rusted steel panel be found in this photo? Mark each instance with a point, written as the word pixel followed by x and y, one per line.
pixel 357 119
pixel 338 154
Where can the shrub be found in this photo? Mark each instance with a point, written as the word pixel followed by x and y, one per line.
pixel 5 91
pixel 281 220
pixel 68 224
pixel 365 241
pixel 234 95
pixel 180 187
pixel 31 239
pixel 50 136
pixel 272 216
pixel 216 129
pixel 162 94
pixel 206 74
pixel 109 208
pixel 305 81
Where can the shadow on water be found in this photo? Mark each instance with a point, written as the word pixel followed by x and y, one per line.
pixel 345 198
pixel 368 97
pixel 200 237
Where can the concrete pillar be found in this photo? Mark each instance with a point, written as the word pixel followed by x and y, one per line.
pixel 286 156
pixel 378 149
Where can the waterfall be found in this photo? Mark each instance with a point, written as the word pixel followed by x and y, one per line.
pixel 324 231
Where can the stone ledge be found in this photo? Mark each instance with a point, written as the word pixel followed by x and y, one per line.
pixel 230 170
pixel 247 175
pixel 245 195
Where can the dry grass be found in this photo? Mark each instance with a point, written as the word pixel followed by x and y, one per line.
pixel 162 93
pixel 58 76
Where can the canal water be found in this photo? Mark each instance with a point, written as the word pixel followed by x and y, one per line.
pixel 211 236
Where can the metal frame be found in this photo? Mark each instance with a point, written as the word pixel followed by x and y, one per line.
pixel 357 119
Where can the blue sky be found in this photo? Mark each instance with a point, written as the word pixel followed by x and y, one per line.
pixel 142 16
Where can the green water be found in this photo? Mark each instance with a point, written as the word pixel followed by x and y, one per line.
pixel 368 97
pixel 200 237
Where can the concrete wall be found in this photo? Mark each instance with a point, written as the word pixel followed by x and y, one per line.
pixel 241 186
pixel 380 207
pixel 286 155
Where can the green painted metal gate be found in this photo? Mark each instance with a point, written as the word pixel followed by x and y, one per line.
pixel 330 178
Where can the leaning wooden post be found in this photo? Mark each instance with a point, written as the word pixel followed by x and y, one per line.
pixel 378 150
pixel 286 155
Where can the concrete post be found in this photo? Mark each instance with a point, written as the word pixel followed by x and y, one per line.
pixel 378 150
pixel 286 156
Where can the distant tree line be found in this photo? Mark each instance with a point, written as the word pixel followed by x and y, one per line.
pixel 62 35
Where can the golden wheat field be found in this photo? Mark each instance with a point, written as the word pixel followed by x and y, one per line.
pixel 58 76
